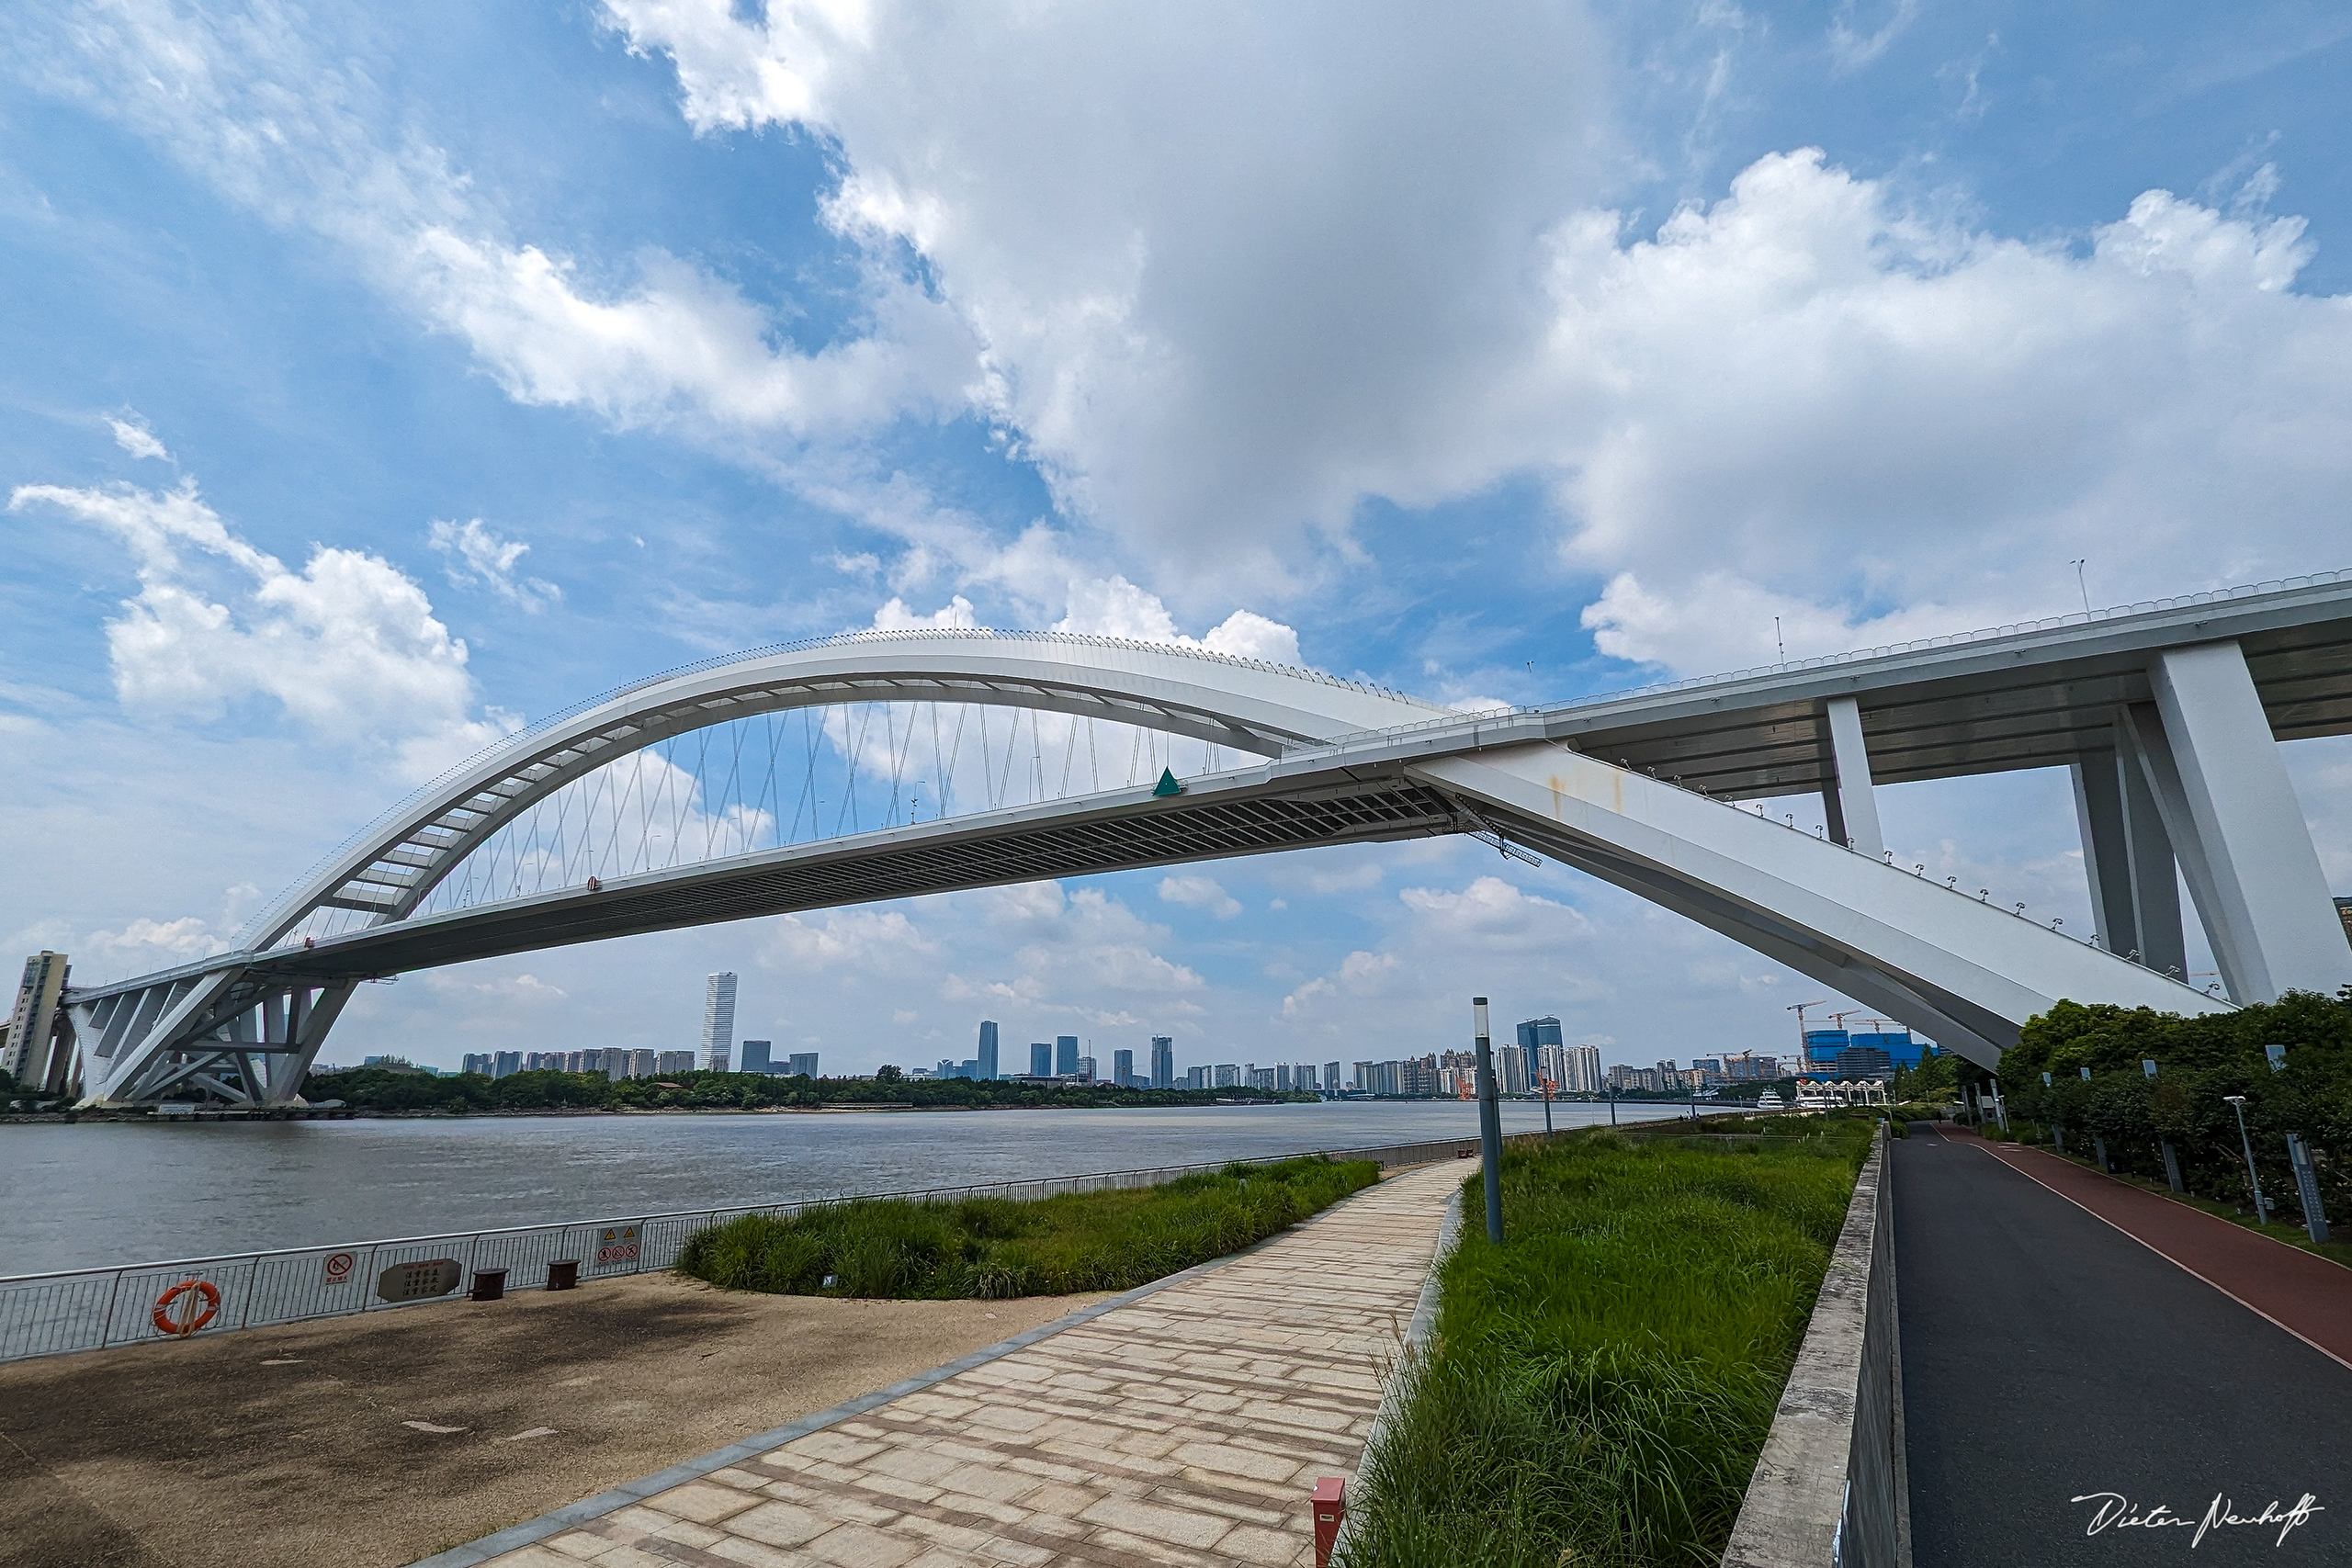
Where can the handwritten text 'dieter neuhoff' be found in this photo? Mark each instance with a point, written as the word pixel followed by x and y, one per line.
pixel 2113 1511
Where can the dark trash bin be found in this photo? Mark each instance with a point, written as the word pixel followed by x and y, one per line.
pixel 564 1274
pixel 490 1284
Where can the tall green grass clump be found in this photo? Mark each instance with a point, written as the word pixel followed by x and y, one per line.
pixel 992 1249
pixel 1598 1387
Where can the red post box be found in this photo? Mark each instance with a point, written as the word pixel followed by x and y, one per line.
pixel 1330 1506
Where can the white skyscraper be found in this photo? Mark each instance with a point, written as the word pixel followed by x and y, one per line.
pixel 718 1022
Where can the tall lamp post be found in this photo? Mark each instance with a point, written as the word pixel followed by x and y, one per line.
pixel 2237 1103
pixel 1490 1123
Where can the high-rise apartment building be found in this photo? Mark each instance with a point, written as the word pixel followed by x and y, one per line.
pixel 1510 1069
pixel 1041 1059
pixel 1163 1061
pixel 755 1057
pixel 1197 1077
pixel 34 1054
pixel 477 1062
pixel 643 1063
pixel 1065 1054
pixel 506 1061
pixel 804 1063
pixel 674 1062
pixel 1584 1065
pixel 987 1054
pixel 1227 1075
pixel 1332 1082
pixel 718 1022
pixel 1122 1069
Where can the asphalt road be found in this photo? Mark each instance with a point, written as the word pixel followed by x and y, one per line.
pixel 2047 1356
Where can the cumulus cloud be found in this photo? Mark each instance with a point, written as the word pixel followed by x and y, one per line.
pixel 1199 893
pixel 895 616
pixel 348 646
pixel 474 557
pixel 1250 241
pixel 134 435
pixel 1111 606
pixel 854 941
pixel 1083 954
pixel 1802 400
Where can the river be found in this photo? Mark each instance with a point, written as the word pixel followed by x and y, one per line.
pixel 101 1193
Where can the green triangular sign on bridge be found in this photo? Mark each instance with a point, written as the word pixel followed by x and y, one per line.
pixel 1167 784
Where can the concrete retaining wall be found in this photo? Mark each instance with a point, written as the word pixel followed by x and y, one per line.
pixel 1828 1489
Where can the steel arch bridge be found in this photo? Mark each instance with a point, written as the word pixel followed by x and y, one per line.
pixel 2165 715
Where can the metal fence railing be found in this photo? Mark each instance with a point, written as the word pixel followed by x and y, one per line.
pixel 89 1309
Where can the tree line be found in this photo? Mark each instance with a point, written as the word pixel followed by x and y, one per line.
pixel 2200 1062
pixel 400 1087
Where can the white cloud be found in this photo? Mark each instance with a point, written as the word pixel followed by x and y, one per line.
pixel 348 646
pixel 1224 278
pixel 1851 49
pixel 1199 893
pixel 1082 955
pixel 1802 400
pixel 475 556
pixel 851 941
pixel 1111 606
pixel 529 989
pixel 895 616
pixel 1216 278
pixel 287 128
pixel 134 437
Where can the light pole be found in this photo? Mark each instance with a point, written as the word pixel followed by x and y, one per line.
pixel 2237 1103
pixel 1490 1123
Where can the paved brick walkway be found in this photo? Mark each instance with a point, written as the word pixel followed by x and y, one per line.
pixel 1185 1428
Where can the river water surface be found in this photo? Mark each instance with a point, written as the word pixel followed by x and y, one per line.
pixel 99 1194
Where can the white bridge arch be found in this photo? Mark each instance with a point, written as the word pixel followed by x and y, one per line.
pixel 2176 696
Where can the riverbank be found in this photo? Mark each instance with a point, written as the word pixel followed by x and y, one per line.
pixel 116 1193
pixel 396 1435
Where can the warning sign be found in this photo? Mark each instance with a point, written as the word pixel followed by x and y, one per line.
pixel 339 1265
pixel 616 1244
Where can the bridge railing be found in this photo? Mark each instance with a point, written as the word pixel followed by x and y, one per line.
pixel 90 1309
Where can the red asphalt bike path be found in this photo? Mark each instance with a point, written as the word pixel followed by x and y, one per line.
pixel 2309 1296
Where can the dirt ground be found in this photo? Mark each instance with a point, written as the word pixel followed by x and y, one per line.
pixel 377 1440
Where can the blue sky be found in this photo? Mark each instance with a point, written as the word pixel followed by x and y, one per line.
pixel 373 380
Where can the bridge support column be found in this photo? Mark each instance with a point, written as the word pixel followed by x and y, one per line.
pixel 1853 810
pixel 2135 884
pixel 2222 789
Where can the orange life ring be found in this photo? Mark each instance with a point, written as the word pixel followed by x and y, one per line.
pixel 204 1290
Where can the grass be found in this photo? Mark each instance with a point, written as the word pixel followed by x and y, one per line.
pixel 993 1248
pixel 1598 1387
